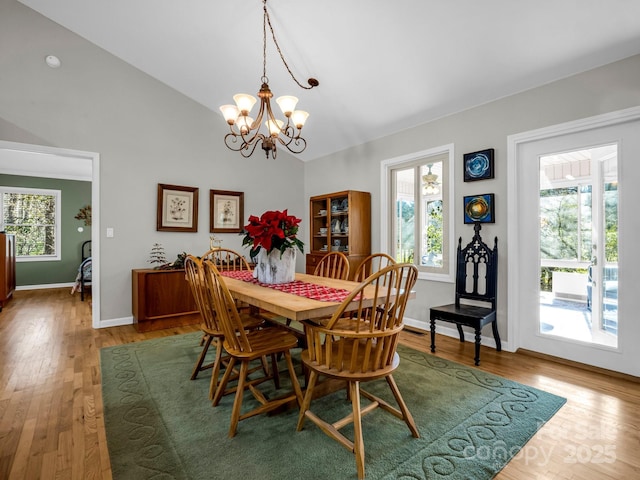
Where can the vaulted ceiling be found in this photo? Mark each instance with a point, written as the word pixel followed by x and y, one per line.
pixel 383 66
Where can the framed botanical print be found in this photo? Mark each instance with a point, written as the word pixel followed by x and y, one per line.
pixel 226 211
pixel 478 165
pixel 479 208
pixel 177 208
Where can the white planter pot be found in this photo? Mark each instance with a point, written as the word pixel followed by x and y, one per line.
pixel 273 268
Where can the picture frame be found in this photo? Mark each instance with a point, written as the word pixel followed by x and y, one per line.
pixel 478 165
pixel 226 211
pixel 177 209
pixel 479 208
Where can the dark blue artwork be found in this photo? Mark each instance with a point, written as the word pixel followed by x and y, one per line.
pixel 478 165
pixel 479 208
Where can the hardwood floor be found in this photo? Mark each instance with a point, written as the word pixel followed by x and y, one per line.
pixel 51 415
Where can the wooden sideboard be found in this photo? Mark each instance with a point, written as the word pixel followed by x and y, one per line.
pixel 7 267
pixel 162 299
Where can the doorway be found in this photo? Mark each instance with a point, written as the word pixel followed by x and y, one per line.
pixel 39 160
pixel 571 231
pixel 578 238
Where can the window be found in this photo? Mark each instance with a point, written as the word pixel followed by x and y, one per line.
pixel 417 211
pixel 33 215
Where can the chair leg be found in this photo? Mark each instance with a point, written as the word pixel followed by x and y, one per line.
pixel 358 442
pixel 433 335
pixel 496 335
pixel 275 371
pixel 216 368
pixel 406 414
pixel 306 402
pixel 460 332
pixel 223 383
pixel 237 402
pixel 294 379
pixel 477 357
pixel 200 361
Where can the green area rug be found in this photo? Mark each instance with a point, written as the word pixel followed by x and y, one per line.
pixel 161 425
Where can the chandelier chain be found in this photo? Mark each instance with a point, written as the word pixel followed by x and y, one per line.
pixel 267 20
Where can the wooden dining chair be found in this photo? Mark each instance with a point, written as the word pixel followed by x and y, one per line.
pixel 226 259
pixel 372 264
pixel 361 351
pixel 210 326
pixel 244 347
pixel 333 265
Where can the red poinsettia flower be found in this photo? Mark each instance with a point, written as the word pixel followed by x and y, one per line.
pixel 274 230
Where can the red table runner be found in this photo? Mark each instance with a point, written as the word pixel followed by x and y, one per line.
pixel 297 287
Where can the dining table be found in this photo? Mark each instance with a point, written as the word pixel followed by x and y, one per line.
pixel 289 300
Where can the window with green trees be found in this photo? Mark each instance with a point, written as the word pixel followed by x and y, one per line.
pixel 33 215
pixel 420 228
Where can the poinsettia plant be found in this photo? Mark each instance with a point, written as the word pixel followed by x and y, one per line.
pixel 274 230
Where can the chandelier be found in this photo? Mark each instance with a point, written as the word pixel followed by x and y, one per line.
pixel 430 185
pixel 246 132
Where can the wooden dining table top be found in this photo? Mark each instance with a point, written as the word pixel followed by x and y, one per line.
pixel 288 305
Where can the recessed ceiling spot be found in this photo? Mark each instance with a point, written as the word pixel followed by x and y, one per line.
pixel 52 61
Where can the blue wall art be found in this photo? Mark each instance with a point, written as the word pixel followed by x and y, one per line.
pixel 478 165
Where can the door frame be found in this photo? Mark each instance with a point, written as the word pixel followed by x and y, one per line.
pixel 515 294
pixel 33 155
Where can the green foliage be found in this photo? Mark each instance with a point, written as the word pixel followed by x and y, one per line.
pixel 434 227
pixel 32 219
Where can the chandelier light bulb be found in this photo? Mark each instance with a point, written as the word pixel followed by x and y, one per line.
pixel 287 104
pixel 274 126
pixel 244 124
pixel 299 117
pixel 230 113
pixel 245 102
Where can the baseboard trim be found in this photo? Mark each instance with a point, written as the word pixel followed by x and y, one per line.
pixel 46 285
pixel 115 322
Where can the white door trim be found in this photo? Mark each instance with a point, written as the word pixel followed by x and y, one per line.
pixel 28 153
pixel 513 144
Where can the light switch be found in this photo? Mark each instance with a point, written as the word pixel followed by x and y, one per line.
pixel 109 232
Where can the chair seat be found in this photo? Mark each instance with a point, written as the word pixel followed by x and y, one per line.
pixel 264 342
pixel 469 315
pixel 358 375
pixel 248 322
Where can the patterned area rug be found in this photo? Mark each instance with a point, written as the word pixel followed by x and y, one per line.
pixel 161 425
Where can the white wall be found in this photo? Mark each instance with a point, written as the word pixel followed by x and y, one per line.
pixel 608 88
pixel 145 133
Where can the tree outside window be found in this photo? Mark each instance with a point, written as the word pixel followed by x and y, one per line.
pixel 33 216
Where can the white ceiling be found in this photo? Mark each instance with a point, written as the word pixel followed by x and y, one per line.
pixel 383 66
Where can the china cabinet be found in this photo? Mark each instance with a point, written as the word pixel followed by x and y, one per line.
pixel 340 221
